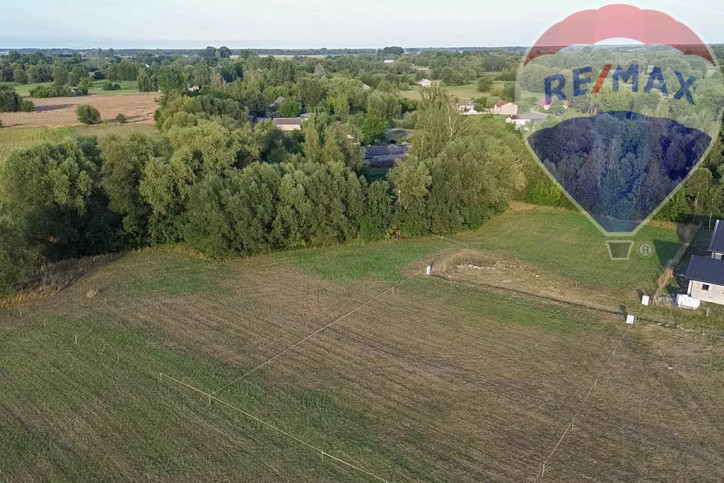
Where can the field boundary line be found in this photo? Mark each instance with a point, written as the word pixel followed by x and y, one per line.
pixel 260 421
pixel 541 472
pixel 321 329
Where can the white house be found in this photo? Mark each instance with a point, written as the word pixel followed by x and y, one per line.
pixel 467 109
pixel 521 120
pixel 706 274
pixel 425 83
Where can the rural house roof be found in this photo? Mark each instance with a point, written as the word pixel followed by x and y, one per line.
pixel 501 103
pixel 530 116
pixel 717 239
pixel 287 121
pixel 705 269
pixel 278 101
pixel 397 150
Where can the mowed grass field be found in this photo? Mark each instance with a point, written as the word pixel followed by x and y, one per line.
pixel 431 380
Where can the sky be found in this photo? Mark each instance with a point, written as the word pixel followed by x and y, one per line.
pixel 308 23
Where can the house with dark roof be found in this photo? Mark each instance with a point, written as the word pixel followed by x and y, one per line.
pixel 385 156
pixel 716 246
pixel 706 274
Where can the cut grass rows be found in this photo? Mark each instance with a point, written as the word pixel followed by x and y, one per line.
pixel 435 381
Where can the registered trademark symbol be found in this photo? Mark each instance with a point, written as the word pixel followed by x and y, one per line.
pixel 646 250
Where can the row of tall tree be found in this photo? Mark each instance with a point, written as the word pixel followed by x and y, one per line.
pixel 227 187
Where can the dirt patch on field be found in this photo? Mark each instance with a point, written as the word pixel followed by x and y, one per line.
pixel 60 111
pixel 481 268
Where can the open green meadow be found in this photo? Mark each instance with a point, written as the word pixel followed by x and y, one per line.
pixel 466 92
pixel 567 244
pixel 411 378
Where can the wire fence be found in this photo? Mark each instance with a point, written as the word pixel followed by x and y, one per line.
pixel 210 397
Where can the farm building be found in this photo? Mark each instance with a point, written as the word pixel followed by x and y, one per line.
pixel 385 156
pixel 521 120
pixel 505 107
pixel 425 83
pixel 706 274
pixel 288 123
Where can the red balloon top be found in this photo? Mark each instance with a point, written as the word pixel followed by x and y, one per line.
pixel 589 27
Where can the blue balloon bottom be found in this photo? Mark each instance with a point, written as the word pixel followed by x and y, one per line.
pixel 619 165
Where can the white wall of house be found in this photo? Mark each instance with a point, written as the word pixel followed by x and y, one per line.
pixel 707 292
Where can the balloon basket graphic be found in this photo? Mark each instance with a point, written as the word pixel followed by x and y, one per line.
pixel 619 249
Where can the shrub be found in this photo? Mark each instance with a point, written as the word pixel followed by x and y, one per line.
pixel 110 86
pixel 51 91
pixel 88 114
pixel 10 101
pixel 121 119
pixel 27 106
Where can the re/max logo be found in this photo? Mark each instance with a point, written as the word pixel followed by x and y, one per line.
pixel 655 81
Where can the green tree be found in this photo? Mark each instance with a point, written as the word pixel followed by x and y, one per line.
pixel 383 105
pixel 411 182
pixel 373 129
pixel 16 259
pixel 60 75
pixel 51 193
pixel 84 85
pixel 311 91
pixel 291 107
pixel 170 79
pixel 10 101
pixel 124 161
pixel 485 83
pixel 88 114
pixel 224 52
pixel 378 211
pixel 233 213
pixel 438 122
pixel 145 81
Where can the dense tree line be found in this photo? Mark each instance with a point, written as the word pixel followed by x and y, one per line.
pixel 227 187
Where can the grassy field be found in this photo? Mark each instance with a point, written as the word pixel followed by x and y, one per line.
pixel 466 92
pixel 567 244
pixel 18 138
pixel 433 380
